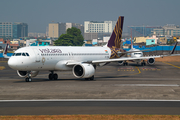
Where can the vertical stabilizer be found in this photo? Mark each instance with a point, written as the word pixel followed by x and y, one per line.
pixel 172 52
pixel 115 39
pixel 5 51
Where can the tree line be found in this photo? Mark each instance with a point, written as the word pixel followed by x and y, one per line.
pixel 72 37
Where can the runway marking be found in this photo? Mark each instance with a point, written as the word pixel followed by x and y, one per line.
pixel 133 73
pixel 126 69
pixel 91 100
pixel 146 69
pixel 172 65
pixel 138 70
pixel 2 67
pixel 3 61
pixel 149 85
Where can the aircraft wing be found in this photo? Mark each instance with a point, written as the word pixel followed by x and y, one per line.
pixel 131 58
pixel 119 59
pixel 125 58
pixel 105 61
pixel 133 51
pixel 100 61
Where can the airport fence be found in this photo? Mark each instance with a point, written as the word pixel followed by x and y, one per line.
pixel 159 50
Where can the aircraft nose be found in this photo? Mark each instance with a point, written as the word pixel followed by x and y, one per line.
pixel 12 63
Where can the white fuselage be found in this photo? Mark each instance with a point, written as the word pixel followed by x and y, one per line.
pixel 136 55
pixel 55 58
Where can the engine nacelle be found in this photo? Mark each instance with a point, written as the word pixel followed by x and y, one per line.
pixel 83 70
pixel 25 73
pixel 151 61
pixel 120 62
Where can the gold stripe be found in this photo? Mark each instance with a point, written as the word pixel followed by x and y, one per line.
pixel 118 32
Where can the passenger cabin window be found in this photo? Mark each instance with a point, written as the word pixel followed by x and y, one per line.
pixel 137 53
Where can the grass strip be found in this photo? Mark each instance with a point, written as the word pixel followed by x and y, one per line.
pixel 92 117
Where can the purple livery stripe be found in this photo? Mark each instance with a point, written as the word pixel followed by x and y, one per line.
pixel 115 39
pixel 114 42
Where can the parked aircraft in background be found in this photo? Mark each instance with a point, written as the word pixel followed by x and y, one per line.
pixel 141 60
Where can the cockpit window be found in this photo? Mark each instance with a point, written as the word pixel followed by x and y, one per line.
pixel 137 53
pixel 23 54
pixel 18 54
pixel 27 54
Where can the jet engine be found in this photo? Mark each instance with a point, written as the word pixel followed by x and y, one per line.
pixel 151 61
pixel 25 73
pixel 120 62
pixel 83 70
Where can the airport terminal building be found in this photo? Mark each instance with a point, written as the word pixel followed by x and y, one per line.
pixel 97 30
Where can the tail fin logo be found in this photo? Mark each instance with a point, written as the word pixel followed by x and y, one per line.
pixel 5 49
pixel 172 52
pixel 115 39
pixel 114 42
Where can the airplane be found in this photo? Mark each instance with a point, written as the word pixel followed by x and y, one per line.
pixel 136 53
pixel 82 61
pixel 5 51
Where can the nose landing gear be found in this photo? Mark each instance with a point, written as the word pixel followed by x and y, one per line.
pixel 28 79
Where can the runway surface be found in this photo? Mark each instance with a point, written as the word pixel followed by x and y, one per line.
pixel 89 107
pixel 158 82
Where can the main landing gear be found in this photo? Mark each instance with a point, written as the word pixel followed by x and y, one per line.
pixel 143 63
pixel 28 79
pixel 91 78
pixel 125 63
pixel 53 76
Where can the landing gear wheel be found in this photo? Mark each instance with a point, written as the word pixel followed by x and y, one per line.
pixel 51 76
pixel 91 78
pixel 125 64
pixel 55 76
pixel 143 63
pixel 28 79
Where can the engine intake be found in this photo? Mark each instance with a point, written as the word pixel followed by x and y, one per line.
pixel 151 61
pixel 25 73
pixel 120 62
pixel 83 70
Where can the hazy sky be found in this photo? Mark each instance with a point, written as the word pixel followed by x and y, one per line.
pixel 39 13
